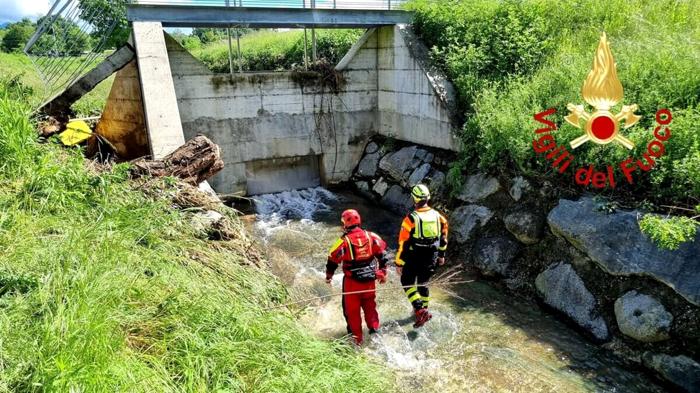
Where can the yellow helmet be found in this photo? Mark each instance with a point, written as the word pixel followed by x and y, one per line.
pixel 420 193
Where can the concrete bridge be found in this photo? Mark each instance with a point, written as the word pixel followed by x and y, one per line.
pixel 278 130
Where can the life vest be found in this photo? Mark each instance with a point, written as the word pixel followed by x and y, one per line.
pixel 428 229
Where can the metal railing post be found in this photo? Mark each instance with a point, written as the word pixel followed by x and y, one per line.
pixel 314 54
pixel 230 44
pixel 389 5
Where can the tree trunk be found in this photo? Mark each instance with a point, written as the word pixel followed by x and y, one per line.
pixel 194 162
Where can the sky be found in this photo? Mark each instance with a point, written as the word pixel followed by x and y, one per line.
pixel 14 10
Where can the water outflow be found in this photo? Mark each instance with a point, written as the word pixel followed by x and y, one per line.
pixel 483 341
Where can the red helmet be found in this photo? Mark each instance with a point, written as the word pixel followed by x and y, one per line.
pixel 350 218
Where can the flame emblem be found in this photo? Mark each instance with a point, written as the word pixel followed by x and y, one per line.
pixel 602 90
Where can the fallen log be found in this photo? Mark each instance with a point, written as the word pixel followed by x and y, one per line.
pixel 194 162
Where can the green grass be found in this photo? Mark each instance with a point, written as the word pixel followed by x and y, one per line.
pixel 103 288
pixel 18 65
pixel 512 59
pixel 268 50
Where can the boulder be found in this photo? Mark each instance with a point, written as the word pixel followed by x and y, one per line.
pixel 495 254
pixel 396 164
pixel 526 226
pixel 478 187
pixel 419 174
pixel 464 219
pixel 421 155
pixel 398 200
pixel 435 181
pixel 372 148
pixel 368 165
pixel 616 244
pixel 381 187
pixel 681 370
pixel 205 221
pixel 642 317
pixel 563 289
pixel 518 187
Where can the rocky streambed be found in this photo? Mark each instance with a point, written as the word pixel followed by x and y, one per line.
pixel 579 257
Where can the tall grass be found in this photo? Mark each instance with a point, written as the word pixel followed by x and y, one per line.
pixel 105 289
pixel 512 59
pixel 267 50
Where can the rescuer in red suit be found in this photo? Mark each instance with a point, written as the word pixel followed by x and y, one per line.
pixel 364 260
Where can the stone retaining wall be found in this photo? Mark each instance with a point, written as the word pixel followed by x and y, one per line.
pixel 577 256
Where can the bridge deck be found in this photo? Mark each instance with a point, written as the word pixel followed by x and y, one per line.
pixel 269 13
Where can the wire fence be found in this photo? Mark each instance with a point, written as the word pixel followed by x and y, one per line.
pixel 71 39
pixel 316 4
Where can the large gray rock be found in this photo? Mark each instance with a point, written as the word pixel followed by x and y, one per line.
pixel 681 370
pixel 419 174
pixel 526 226
pixel 616 244
pixel 381 187
pixel 396 164
pixel 642 317
pixel 464 219
pixel 494 255
pixel 435 181
pixel 398 200
pixel 564 290
pixel 478 187
pixel 368 165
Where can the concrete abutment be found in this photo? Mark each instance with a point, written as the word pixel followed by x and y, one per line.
pixel 277 130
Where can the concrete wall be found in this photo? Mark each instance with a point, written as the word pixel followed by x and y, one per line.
pixel 262 120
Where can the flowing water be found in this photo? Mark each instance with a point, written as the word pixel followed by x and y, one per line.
pixel 484 341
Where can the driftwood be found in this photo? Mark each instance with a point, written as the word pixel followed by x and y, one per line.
pixel 194 162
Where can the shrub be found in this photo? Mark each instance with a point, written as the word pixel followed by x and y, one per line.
pixel 668 233
pixel 512 59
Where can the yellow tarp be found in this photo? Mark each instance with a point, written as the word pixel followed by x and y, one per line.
pixel 76 132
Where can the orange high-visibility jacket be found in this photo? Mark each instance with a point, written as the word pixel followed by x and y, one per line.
pixel 408 233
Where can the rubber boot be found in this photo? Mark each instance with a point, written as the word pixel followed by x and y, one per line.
pixel 422 316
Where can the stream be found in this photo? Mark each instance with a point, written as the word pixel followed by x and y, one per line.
pixel 482 341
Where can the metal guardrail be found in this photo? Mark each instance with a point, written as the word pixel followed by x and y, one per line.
pixel 66 43
pixel 292 4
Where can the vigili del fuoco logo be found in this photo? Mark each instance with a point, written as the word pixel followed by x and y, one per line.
pixel 602 90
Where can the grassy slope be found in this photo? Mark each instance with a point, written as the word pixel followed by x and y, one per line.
pixel 270 50
pixel 18 64
pixel 512 59
pixel 105 289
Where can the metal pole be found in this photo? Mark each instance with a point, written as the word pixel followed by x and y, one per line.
pixel 306 51
pixel 390 5
pixel 240 56
pixel 334 4
pixel 230 45
pixel 314 54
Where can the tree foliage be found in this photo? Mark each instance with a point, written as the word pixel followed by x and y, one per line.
pixel 102 14
pixel 17 35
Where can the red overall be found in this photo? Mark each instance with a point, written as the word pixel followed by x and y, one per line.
pixel 354 249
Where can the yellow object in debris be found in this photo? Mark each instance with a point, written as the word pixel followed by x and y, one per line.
pixel 75 133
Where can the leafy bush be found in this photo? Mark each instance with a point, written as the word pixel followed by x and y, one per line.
pixel 274 51
pixel 669 232
pixel 512 59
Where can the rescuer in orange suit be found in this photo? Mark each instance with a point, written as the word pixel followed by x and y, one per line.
pixel 364 260
pixel 422 247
